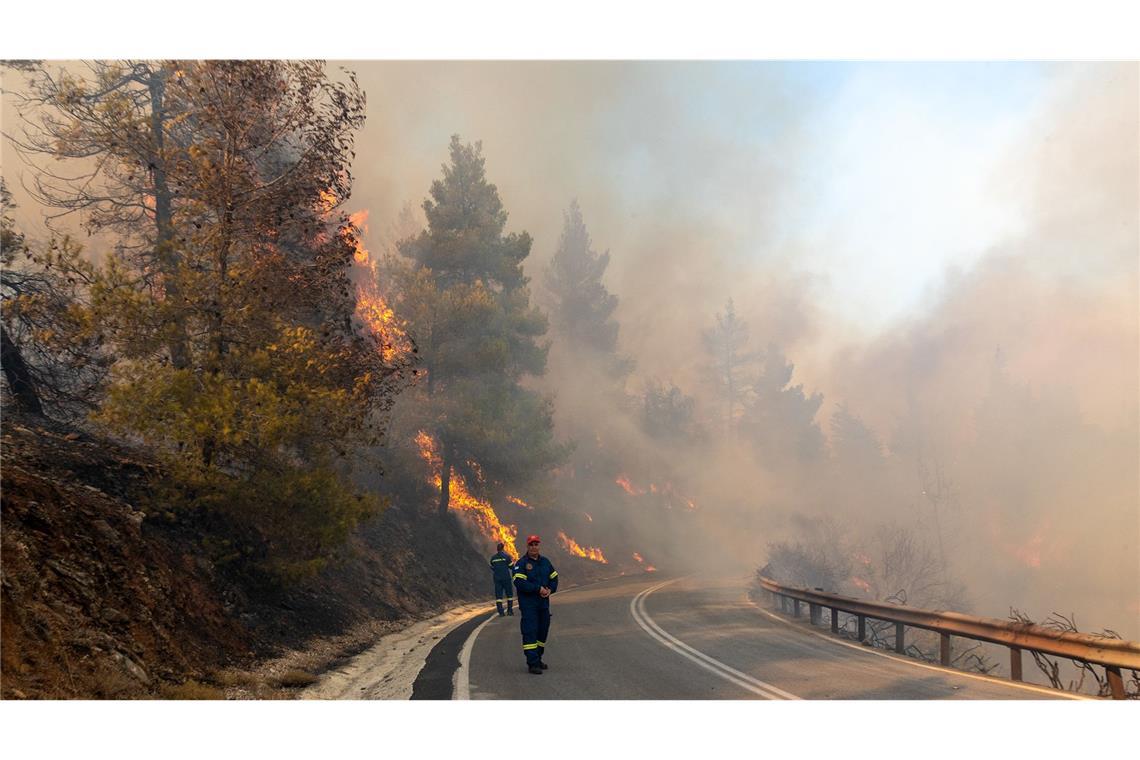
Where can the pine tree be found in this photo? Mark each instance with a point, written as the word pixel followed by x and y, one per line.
pixel 582 309
pixel 779 419
pixel 725 342
pixel 468 308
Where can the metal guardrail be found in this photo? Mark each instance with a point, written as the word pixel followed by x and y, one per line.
pixel 1114 655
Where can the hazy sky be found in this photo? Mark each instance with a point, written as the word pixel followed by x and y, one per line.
pixel 870 178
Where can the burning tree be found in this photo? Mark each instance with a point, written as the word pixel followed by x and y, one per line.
pixel 229 306
pixel 467 305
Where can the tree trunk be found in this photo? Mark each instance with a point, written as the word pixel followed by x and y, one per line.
pixel 165 254
pixel 18 375
pixel 445 481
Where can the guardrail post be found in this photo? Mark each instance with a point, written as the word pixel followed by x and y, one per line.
pixel 1015 663
pixel 834 620
pixel 899 643
pixel 796 607
pixel 862 628
pixel 1115 682
pixel 813 613
pixel 945 649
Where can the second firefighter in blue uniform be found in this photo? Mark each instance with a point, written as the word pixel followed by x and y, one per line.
pixel 501 570
pixel 535 579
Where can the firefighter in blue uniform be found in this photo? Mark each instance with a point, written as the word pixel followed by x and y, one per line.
pixel 501 570
pixel 536 579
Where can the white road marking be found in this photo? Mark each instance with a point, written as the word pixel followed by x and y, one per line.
pixel 462 689
pixel 732 675
pixel 915 663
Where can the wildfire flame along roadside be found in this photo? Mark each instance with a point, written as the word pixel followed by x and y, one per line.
pixel 478 511
pixel 666 490
pixel 641 561
pixel 577 550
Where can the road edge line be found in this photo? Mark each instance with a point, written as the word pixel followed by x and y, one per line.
pixel 642 617
pixel 461 688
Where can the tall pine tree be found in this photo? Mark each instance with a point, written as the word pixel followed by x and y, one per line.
pixel 582 309
pixel 725 343
pixel 468 307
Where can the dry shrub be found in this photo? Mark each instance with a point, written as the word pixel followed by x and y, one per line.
pixel 295 679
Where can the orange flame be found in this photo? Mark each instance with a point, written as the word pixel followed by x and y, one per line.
pixel 478 511
pixel 1029 553
pixel 627 486
pixel 574 548
pixel 588 518
pixel 520 502
pixel 327 201
pixel 371 308
pixel 641 561
pixel 861 584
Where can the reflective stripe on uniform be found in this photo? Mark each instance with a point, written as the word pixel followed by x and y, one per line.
pixel 540 643
pixel 530 646
pixel 521 575
pixel 554 574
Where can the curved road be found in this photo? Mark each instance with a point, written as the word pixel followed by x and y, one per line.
pixel 646 637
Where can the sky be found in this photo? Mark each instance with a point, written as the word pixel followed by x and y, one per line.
pixel 870 179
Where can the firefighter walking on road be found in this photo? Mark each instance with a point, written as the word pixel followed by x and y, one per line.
pixel 501 570
pixel 536 579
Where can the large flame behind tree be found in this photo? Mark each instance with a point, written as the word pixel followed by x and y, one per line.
pixel 371 307
pixel 479 511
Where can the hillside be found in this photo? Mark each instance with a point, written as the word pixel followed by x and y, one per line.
pixel 105 595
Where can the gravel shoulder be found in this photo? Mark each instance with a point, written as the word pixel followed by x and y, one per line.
pixel 388 669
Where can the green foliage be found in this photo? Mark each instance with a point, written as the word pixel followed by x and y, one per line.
pixel 779 419
pixel 583 308
pixel 228 305
pixel 667 413
pixel 464 240
pixel 467 304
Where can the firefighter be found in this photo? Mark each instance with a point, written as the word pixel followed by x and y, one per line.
pixel 501 570
pixel 536 579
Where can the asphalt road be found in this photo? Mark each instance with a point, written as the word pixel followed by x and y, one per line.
pixel 696 638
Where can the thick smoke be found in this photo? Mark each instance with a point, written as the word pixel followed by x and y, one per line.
pixel 1013 385
pixel 997 420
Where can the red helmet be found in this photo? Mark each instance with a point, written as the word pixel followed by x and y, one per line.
pixel 533 540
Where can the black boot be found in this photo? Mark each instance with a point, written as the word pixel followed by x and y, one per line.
pixel 543 665
pixel 535 669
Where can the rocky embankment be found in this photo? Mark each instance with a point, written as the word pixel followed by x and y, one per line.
pixel 105 595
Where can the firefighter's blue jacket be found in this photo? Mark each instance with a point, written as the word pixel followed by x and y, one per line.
pixel 501 566
pixel 530 575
